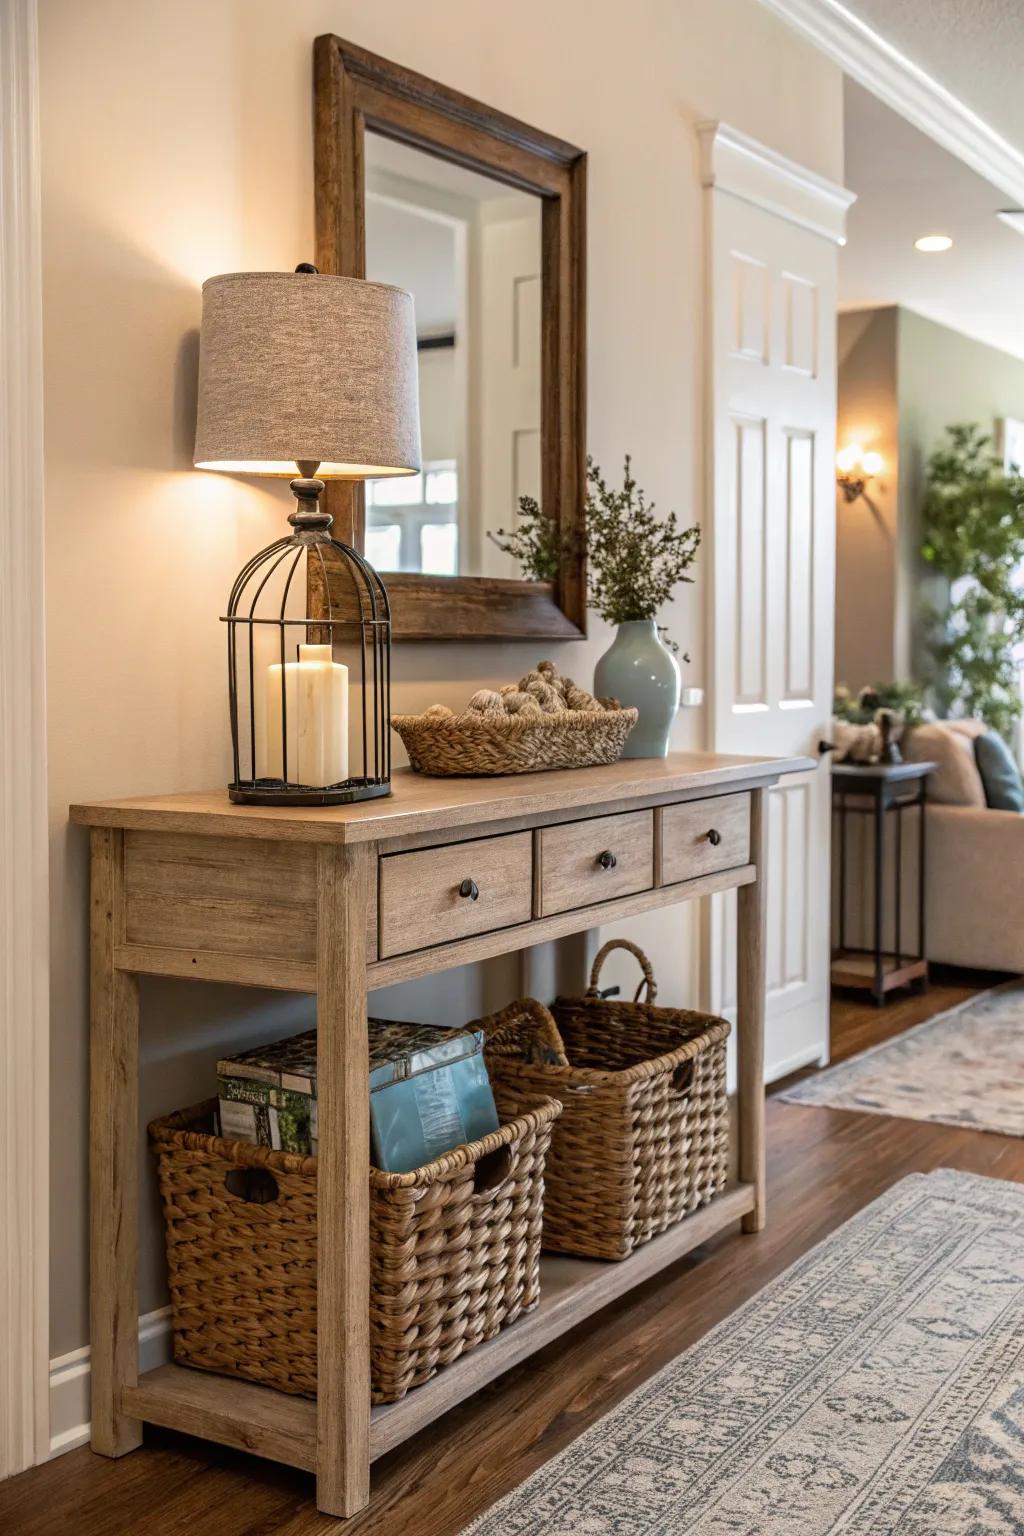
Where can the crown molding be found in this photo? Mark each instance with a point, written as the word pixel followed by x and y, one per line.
pixel 875 64
pixel 733 162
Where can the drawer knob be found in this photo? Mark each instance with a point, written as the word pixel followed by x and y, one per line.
pixel 470 889
pixel 714 837
pixel 607 860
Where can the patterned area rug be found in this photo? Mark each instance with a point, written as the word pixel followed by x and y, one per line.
pixel 876 1387
pixel 965 1068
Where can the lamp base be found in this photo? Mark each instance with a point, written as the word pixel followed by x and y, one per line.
pixel 275 792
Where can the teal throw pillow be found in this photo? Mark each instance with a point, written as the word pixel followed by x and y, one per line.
pixel 1000 775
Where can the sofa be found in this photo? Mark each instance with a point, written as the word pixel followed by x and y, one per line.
pixel 974 902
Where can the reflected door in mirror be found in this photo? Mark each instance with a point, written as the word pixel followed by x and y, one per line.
pixel 468 248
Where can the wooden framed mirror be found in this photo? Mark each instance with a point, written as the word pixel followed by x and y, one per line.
pixel 421 186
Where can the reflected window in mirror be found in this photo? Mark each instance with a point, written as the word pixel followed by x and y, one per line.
pixel 468 248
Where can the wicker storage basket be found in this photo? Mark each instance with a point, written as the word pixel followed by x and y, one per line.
pixel 460 745
pixel 643 1138
pixel 454 1251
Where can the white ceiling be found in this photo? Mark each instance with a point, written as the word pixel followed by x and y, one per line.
pixel 975 48
pixel 907 186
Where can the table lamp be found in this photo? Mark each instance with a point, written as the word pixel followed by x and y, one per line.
pixel 303 372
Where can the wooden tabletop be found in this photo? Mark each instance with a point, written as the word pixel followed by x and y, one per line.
pixel 421 804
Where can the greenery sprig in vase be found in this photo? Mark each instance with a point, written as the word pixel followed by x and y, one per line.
pixel 635 560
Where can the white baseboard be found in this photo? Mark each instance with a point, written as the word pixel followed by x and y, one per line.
pixel 810 1056
pixel 69 1381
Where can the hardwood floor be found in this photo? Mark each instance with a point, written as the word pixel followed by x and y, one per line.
pixel 823 1166
pixel 857 1025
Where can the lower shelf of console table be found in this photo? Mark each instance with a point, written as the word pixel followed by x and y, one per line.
pixel 273 1424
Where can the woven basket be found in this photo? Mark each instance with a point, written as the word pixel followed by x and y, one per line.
pixel 454 1251
pixel 476 743
pixel 643 1138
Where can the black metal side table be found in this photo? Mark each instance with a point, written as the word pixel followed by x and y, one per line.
pixel 875 792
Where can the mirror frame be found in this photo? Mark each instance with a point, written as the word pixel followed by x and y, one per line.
pixel 354 91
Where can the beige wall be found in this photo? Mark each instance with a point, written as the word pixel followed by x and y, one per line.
pixel 902 380
pixel 866 529
pixel 177 144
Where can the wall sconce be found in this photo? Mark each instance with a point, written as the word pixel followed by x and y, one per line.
pixel 855 468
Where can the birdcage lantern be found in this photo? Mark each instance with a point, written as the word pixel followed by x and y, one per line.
pixel 303 371
pixel 310 697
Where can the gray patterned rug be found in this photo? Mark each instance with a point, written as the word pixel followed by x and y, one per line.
pixel 964 1067
pixel 876 1387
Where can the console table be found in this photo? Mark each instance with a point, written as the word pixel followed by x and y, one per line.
pixel 336 902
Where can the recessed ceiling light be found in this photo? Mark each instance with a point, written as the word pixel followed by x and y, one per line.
pixel 933 243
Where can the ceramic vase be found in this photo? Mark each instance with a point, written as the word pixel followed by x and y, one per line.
pixel 641 672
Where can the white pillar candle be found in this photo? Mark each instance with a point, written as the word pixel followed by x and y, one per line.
pixel 316 703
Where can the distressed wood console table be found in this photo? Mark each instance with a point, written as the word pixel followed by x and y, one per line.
pixel 337 902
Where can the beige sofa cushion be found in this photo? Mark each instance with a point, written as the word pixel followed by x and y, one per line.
pixel 975 887
pixel 949 744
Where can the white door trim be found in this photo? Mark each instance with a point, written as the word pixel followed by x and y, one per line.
pixel 771 232
pixel 887 73
pixel 24 916
pixel 736 163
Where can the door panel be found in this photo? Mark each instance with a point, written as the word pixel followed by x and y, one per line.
pixel 772 297
pixel 509 369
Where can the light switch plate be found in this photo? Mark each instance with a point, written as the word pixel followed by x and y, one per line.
pixel 691 698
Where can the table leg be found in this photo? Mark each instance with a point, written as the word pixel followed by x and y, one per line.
pixel 343 1115
pixel 113 1156
pixel 878 989
pixel 750 989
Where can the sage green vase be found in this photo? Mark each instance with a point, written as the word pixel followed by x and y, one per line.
pixel 642 673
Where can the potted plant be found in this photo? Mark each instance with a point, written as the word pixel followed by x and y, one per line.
pixel 635 561
pixel 974 540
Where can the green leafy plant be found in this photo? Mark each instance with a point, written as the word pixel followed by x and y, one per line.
pixel 974 539
pixel 635 560
pixel 904 699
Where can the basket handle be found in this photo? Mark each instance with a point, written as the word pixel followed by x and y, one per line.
pixel 638 954
pixel 520 1026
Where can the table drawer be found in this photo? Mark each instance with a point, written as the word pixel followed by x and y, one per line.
pixel 703 836
pixel 582 862
pixel 420 900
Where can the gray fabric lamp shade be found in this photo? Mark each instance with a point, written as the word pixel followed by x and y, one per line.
pixel 299 366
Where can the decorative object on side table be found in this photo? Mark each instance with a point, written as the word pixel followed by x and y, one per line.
pixel 543 721
pixel 315 373
pixel 634 563
pixel 428 1086
pixel 868 728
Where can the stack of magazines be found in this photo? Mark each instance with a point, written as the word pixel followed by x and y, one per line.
pixel 429 1092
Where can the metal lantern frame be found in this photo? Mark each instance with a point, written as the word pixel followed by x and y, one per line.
pixel 369 624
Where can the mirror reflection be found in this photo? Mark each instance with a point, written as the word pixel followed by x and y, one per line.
pixel 468 248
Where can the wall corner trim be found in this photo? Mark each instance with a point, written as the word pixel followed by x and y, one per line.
pixel 24 902
pixel 731 161
pixel 882 69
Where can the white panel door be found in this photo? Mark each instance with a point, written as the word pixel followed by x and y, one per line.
pixel 771 338
pixel 509 377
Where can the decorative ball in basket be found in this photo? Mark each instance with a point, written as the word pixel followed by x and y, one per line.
pixel 543 721
pixel 319 374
